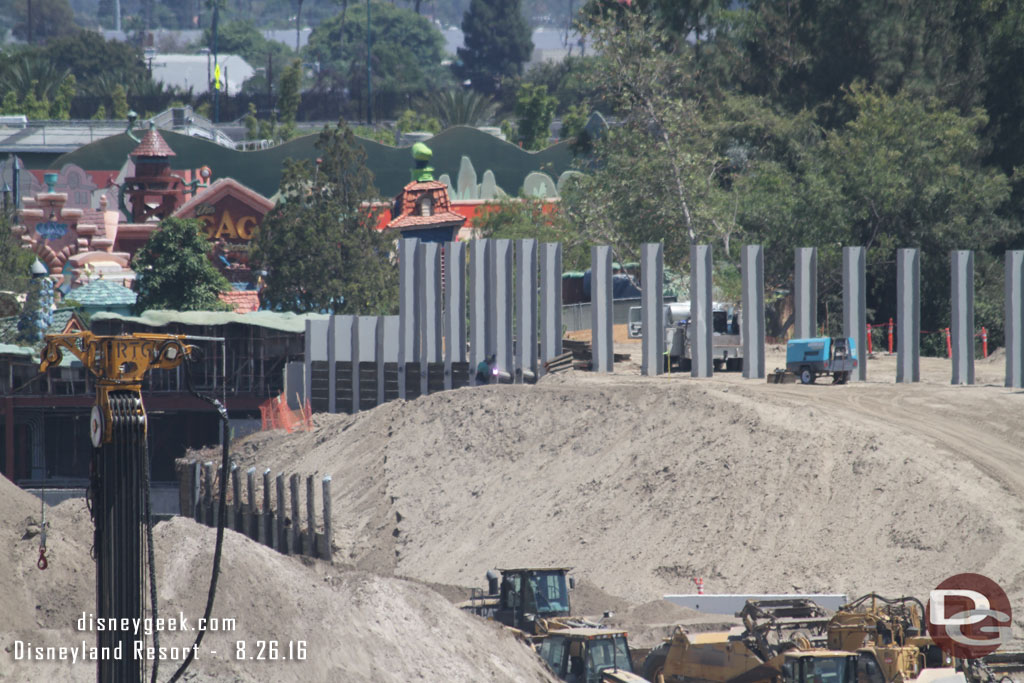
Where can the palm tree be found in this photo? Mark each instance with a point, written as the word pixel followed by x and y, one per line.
pixel 460 108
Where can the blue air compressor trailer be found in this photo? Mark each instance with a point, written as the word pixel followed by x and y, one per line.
pixel 809 359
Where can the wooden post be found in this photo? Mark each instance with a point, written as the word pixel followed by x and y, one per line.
pixel 235 518
pixel 309 547
pixel 250 509
pixel 294 538
pixel 326 550
pixel 208 493
pixel 266 529
pixel 280 542
pixel 196 490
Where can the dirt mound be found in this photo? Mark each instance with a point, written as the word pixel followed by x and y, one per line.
pixel 642 484
pixel 354 625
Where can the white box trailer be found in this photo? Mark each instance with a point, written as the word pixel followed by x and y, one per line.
pixel 726 334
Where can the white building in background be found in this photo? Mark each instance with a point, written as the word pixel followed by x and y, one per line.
pixel 196 72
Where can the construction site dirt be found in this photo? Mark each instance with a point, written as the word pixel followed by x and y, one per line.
pixel 640 484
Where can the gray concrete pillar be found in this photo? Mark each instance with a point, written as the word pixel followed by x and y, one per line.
pixel 454 308
pixel 379 335
pixel 805 293
pixel 908 316
pixel 752 326
pixel 355 346
pixel 503 298
pixel 479 298
pixel 339 350
pixel 652 272
pixel 601 309
pixel 855 321
pixel 526 309
pixel 962 318
pixel 317 332
pixel 428 297
pixel 1014 325
pixel 408 308
pixel 701 324
pixel 368 345
pixel 550 302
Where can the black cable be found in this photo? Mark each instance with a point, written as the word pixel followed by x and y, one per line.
pixel 148 508
pixel 221 516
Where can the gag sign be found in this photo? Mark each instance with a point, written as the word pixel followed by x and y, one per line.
pixel 220 224
pixel 969 616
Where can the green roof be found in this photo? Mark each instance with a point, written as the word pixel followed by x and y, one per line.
pixel 9 327
pixel 285 322
pixel 103 293
pixel 15 350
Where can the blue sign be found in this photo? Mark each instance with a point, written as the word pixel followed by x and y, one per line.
pixel 52 231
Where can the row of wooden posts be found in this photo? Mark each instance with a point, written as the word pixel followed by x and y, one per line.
pixel 271 525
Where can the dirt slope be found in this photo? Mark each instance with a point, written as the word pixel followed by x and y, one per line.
pixel 642 484
pixel 356 626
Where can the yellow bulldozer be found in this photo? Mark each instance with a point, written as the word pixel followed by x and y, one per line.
pixel 871 639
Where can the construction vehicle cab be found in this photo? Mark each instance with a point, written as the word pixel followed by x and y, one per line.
pixel 524 598
pixel 726 335
pixel 819 666
pixel 589 655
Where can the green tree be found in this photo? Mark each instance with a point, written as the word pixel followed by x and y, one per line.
pixel 525 218
pixel 50 19
pixel 60 108
pixel 174 270
pixel 101 113
pixel 15 261
pixel 406 55
pixel 91 58
pixel 34 107
pixel 289 99
pixel 119 98
pixel 498 43
pixel 535 109
pixel 455 107
pixel 411 121
pixel 319 245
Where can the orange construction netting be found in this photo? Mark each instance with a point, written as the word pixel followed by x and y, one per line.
pixel 276 414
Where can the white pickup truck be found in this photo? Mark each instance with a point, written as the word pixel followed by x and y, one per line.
pixel 726 334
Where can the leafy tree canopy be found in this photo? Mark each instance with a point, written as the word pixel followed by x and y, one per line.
pixel 173 270
pixel 319 245
pixel 406 53
pixel 498 43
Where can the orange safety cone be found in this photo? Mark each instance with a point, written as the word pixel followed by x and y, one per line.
pixel 699 581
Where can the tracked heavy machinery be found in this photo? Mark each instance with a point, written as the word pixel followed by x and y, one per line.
pixel 532 600
pixel 118 495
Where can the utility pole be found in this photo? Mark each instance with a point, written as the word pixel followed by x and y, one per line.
pixel 216 66
pixel 369 82
pixel 30 21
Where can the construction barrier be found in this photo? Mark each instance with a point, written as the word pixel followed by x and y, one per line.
pixel 275 414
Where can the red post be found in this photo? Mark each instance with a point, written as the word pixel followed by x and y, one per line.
pixel 890 336
pixel 949 345
pixel 699 581
pixel 984 343
pixel 869 338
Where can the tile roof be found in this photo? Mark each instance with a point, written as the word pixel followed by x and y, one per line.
pixel 241 302
pixel 153 145
pixel 103 293
pixel 62 317
pixel 438 219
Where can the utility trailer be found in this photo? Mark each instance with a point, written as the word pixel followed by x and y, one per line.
pixel 811 358
pixel 726 334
